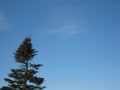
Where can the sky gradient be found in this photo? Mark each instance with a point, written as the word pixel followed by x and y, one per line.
pixel 78 41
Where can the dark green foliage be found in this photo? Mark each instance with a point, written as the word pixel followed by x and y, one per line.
pixel 24 78
pixel 25 52
pixel 6 88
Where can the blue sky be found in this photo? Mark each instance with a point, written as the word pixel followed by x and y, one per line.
pixel 78 41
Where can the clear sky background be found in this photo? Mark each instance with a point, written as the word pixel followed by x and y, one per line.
pixel 78 41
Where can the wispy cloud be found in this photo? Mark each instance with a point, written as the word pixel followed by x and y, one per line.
pixel 4 24
pixel 66 30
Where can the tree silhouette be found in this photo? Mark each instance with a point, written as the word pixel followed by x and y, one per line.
pixel 24 77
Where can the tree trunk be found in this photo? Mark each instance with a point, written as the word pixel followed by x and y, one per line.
pixel 25 78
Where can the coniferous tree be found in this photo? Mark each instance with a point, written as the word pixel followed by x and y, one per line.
pixel 24 77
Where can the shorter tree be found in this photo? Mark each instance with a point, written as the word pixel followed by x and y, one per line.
pixel 24 77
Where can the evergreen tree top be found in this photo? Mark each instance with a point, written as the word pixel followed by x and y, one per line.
pixel 24 77
pixel 25 51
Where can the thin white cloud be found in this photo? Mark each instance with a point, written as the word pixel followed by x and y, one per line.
pixel 66 30
pixel 4 24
